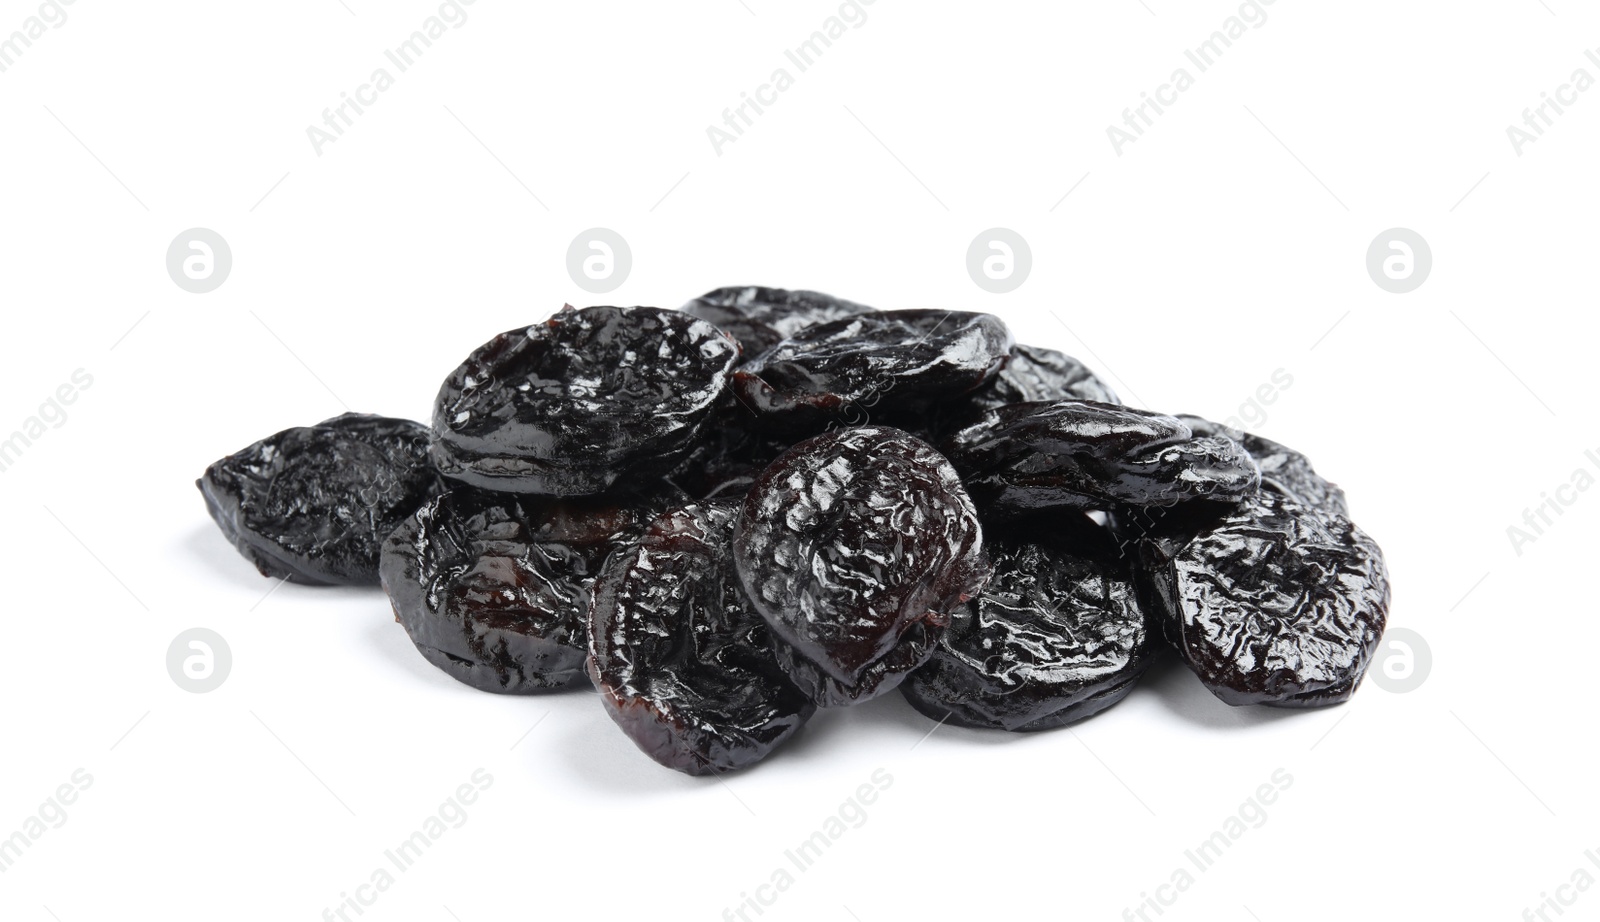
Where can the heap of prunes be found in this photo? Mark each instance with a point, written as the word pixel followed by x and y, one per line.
pixel 727 516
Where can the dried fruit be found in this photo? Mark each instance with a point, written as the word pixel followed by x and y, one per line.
pixel 1032 374
pixel 856 546
pixel 680 656
pixel 1282 468
pixel 1085 455
pixel 581 402
pixel 494 589
pixel 313 504
pixel 893 360
pixel 759 318
pixel 1058 635
pixel 1275 604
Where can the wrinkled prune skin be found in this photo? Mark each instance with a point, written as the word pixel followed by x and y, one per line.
pixel 584 401
pixel 681 658
pixel 760 318
pixel 1058 635
pixel 1282 468
pixel 494 589
pixel 855 546
pixel 1032 374
pixel 893 361
pixel 313 504
pixel 1081 454
pixel 1276 604
pixel 726 462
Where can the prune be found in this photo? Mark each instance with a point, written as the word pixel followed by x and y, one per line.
pixel 680 656
pixel 1282 469
pixel 494 589
pixel 856 546
pixel 313 504
pixel 1058 635
pixel 1032 374
pixel 1085 455
pixel 585 400
pixel 896 360
pixel 760 318
pixel 1275 604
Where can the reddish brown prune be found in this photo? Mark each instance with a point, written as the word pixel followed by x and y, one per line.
pixel 586 400
pixel 680 657
pixel 891 361
pixel 494 589
pixel 1276 603
pixel 856 546
pixel 313 504
pixel 759 318
pixel 1058 635
pixel 1080 454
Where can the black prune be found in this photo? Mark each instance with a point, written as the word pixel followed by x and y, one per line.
pixel 856 546
pixel 581 402
pixel 1275 604
pixel 1282 468
pixel 894 360
pixel 680 657
pixel 759 318
pixel 1087 455
pixel 313 504
pixel 494 589
pixel 1032 374
pixel 1058 635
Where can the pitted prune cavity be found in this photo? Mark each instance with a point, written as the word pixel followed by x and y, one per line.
pixel 681 658
pixel 313 504
pixel 584 401
pixel 856 546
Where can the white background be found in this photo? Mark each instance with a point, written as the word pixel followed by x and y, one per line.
pixel 1229 242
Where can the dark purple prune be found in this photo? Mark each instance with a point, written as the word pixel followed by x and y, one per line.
pixel 856 546
pixel 680 657
pixel 1275 604
pixel 759 318
pixel 726 462
pixel 893 360
pixel 1032 374
pixel 1085 455
pixel 1282 468
pixel 586 400
pixel 494 589
pixel 1058 635
pixel 313 504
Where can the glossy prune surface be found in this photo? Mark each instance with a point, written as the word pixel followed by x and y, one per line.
pixel 1275 603
pixel 681 658
pixel 1058 635
pixel 1079 454
pixel 759 318
pixel 855 546
pixel 586 400
pixel 494 589
pixel 1032 374
pixel 313 504
pixel 1282 468
pixel 890 360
